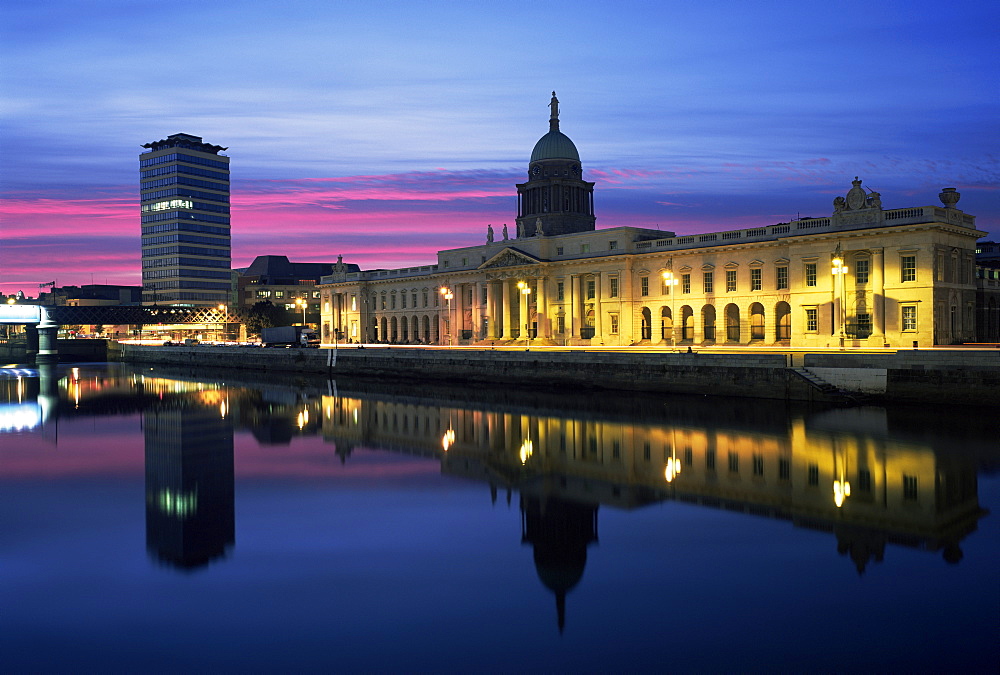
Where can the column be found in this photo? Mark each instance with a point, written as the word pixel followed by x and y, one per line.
pixel 458 312
pixel 542 304
pixel 505 290
pixel 523 318
pixel 493 315
pixel 575 305
pixel 598 323
pixel 878 294
pixel 477 311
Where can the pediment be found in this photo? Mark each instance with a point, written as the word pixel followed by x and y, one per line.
pixel 509 257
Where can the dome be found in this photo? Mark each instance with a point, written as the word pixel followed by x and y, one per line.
pixel 555 145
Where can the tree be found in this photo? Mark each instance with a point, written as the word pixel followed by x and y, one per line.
pixel 265 314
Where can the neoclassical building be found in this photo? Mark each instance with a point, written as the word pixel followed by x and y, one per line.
pixel 863 277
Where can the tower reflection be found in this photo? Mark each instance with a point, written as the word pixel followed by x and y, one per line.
pixel 190 510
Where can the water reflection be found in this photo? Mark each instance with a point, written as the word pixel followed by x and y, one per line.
pixel 867 476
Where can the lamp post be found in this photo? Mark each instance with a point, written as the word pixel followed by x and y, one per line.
pixel 448 295
pixel 301 302
pixel 222 322
pixel 669 281
pixel 525 292
pixel 839 270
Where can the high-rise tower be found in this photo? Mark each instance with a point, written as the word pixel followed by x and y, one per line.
pixel 556 194
pixel 184 191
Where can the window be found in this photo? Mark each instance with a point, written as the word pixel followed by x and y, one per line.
pixel 645 451
pixel 402 297
pixel 710 460
pixel 861 268
pixel 414 299
pixel 734 462
pixel 756 279
pixel 908 268
pixel 784 468
pixel 559 250
pixel 616 449
pixel 560 291
pixel 383 302
pixel 909 487
pixel 279 294
pixel 643 286
pixel 909 314
pixel 685 283
pixel 708 282
pixel 584 248
pixel 612 245
pixel 591 289
pixel 465 261
pixel 810 274
pixel 614 287
pixel 812 320
pixel 781 278
pixel 730 281
pixel 758 465
pixel 560 324
pixel 614 323
pixel 315 294
pixel 393 303
pixel 814 474
pixel 354 303
pixel 425 298
pixel 263 294
pixel 688 456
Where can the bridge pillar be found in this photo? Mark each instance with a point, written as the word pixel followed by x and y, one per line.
pixel 47 332
pixel 30 342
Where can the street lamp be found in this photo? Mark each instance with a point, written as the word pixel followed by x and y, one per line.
pixel 839 271
pixel 222 322
pixel 525 292
pixel 301 302
pixel 448 295
pixel 669 281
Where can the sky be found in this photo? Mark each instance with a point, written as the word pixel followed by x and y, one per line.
pixel 385 131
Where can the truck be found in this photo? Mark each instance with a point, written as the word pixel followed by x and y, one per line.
pixel 289 336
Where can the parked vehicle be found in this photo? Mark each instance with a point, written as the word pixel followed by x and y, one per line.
pixel 289 336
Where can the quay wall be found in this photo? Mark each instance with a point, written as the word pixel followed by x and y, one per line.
pixel 954 377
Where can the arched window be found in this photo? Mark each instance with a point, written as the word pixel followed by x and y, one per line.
pixel 687 323
pixel 647 324
pixel 666 324
pixel 783 322
pixel 732 323
pixel 756 321
pixel 708 322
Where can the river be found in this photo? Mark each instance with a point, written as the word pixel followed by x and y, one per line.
pixel 156 519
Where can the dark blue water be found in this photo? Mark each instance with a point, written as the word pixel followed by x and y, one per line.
pixel 158 520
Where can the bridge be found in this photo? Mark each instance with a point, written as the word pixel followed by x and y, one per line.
pixel 42 322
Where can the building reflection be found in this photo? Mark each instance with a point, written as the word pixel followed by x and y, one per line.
pixel 871 478
pixel 190 507
pixel 839 471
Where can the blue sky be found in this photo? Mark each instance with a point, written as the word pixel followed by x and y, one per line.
pixel 385 131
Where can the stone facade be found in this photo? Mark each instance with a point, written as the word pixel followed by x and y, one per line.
pixel 863 277
pixel 905 277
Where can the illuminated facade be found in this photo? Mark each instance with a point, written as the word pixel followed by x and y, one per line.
pixel 864 277
pixel 184 187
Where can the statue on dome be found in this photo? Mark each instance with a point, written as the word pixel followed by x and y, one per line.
pixel 505 237
pixel 489 234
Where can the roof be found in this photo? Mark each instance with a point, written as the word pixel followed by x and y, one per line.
pixel 555 145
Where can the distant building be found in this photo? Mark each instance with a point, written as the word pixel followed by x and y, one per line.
pixel 184 186
pixel 274 279
pixel 862 277
pixel 988 291
pixel 92 295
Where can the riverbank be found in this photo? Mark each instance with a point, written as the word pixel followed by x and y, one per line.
pixel 925 376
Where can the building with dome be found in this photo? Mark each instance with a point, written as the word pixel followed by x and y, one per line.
pixel 865 276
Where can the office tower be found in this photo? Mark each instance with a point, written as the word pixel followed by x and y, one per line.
pixel 184 191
